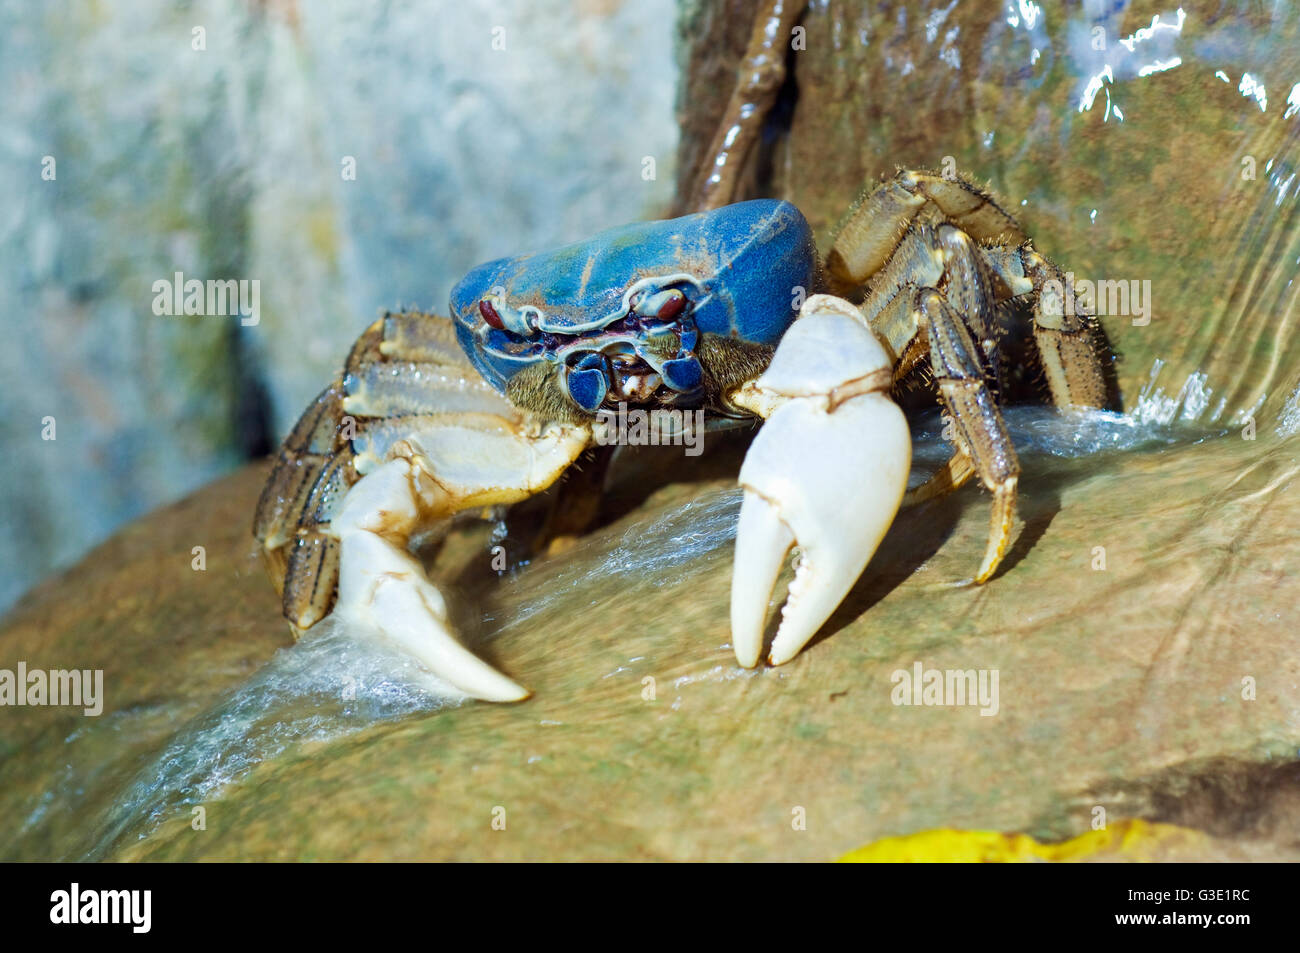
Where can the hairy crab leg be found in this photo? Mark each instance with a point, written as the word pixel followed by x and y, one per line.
pixel 826 472
pixel 1069 340
pixel 311 576
pixel 874 226
pixel 953 475
pixel 980 433
pixel 934 295
pixel 302 561
pixel 1066 339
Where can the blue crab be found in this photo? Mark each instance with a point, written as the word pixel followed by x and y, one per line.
pixel 436 416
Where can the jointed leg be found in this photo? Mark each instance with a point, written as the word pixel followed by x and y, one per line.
pixel 980 434
pixel 313 470
pixel 1066 338
pixel 953 475
pixel 944 258
pixel 301 560
pixel 874 227
pixel 312 572
pixel 948 259
pixel 759 78
pixel 968 289
pixel 971 263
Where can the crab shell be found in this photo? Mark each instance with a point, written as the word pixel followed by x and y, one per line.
pixel 740 271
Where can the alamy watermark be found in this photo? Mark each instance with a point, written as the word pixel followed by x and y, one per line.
pixel 216 296
pixel 129 907
pixel 946 687
pixel 661 427
pixel 1112 297
pixel 79 688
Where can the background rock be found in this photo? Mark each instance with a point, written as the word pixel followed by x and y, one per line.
pixel 228 162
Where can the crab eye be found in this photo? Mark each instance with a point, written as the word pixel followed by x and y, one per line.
pixel 490 315
pixel 663 305
pixel 672 307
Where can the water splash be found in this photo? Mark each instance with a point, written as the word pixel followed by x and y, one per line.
pixel 655 551
pixel 1155 406
pixel 326 687
pixel 1046 431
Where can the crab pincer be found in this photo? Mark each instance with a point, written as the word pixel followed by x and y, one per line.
pixel 384 591
pixel 826 473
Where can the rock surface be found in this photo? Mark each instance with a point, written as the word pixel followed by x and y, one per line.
pixel 1120 689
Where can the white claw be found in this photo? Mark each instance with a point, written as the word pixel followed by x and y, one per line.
pixel 383 590
pixel 825 476
pixel 763 540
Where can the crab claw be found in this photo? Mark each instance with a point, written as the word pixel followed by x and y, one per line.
pixel 826 473
pixel 384 592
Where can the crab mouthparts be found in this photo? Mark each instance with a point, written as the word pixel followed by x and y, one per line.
pixel 643 353
pixel 614 374
pixel 633 380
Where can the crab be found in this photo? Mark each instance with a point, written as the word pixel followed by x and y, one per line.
pixel 438 416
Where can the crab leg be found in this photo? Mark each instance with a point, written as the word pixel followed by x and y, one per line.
pixel 759 78
pixel 876 224
pixel 303 562
pixel 1066 340
pixel 981 434
pixel 826 473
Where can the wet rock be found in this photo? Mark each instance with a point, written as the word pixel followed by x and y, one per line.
pixel 1119 687
pixel 1153 145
